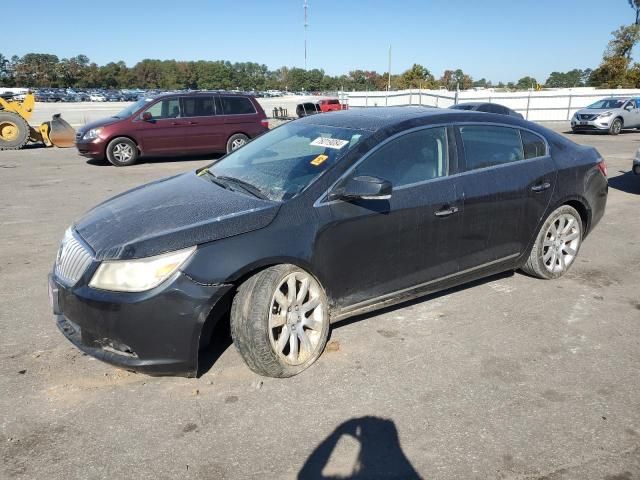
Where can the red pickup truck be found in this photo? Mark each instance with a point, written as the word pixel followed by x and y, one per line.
pixel 321 106
pixel 330 105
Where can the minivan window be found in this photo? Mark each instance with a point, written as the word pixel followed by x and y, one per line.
pixel 199 106
pixel 488 145
pixel 411 158
pixel 237 105
pixel 533 145
pixel 133 108
pixel 169 108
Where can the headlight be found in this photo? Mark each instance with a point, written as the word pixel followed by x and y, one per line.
pixel 91 134
pixel 140 274
pixel 605 114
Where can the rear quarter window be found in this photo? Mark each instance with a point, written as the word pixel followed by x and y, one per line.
pixel 237 106
pixel 533 145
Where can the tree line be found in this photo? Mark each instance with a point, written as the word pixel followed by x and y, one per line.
pixel 43 70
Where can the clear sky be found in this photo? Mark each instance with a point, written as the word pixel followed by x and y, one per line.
pixel 499 40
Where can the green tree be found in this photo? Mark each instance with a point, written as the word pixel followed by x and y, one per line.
pixel 525 83
pixel 416 77
pixel 612 71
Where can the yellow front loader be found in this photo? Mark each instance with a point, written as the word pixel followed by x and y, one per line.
pixel 15 131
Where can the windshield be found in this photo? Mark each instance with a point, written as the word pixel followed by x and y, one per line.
pixel 281 163
pixel 607 103
pixel 134 107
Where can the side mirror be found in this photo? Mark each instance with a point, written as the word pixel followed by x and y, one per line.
pixel 362 187
pixel 147 117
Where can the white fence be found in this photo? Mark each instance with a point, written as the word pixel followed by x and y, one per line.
pixel 551 105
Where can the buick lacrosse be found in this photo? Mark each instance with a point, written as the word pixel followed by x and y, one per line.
pixel 323 218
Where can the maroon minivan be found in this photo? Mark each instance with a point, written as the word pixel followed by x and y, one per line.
pixel 174 124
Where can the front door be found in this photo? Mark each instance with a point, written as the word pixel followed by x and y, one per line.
pixel 507 185
pixel 164 132
pixel 378 247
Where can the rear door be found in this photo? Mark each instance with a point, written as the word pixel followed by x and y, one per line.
pixel 205 130
pixel 165 132
pixel 240 116
pixel 507 184
pixel 379 247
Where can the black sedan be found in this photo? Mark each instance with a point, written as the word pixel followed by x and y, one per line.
pixel 487 108
pixel 320 219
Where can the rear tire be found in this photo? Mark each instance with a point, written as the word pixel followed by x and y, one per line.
pixel 616 127
pixel 557 244
pixel 280 321
pixel 14 131
pixel 236 141
pixel 122 152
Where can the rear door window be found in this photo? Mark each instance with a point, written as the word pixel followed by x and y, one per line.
pixel 198 106
pixel 237 105
pixel 489 145
pixel 411 158
pixel 169 108
pixel 533 145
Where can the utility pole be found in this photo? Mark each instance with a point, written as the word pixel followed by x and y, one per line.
pixel 389 72
pixel 306 24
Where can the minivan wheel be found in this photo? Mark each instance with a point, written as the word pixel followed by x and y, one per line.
pixel 122 152
pixel 556 245
pixel 616 126
pixel 280 321
pixel 236 141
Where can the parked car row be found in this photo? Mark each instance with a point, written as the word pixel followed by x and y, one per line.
pixel 94 95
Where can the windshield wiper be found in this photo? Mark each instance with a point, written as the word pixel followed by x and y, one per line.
pixel 246 186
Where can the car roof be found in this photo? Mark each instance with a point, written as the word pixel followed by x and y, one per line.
pixel 378 118
pixel 472 104
pixel 199 92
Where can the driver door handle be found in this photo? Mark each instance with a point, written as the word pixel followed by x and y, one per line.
pixel 540 187
pixel 446 211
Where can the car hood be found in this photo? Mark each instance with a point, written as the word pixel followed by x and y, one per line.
pixel 170 214
pixel 103 122
pixel 596 111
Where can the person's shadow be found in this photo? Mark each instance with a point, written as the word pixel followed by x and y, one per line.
pixel 380 455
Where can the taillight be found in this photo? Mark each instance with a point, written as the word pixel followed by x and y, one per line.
pixel 264 123
pixel 603 167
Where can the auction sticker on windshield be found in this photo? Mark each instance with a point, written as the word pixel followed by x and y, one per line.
pixel 329 142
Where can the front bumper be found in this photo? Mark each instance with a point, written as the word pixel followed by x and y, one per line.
pixel 598 124
pixel 91 148
pixel 636 165
pixel 156 332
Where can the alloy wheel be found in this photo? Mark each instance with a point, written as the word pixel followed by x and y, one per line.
pixel 296 318
pixel 122 152
pixel 561 243
pixel 237 143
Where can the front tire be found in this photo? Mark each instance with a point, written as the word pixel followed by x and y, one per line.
pixel 236 141
pixel 280 321
pixel 122 152
pixel 14 131
pixel 556 245
pixel 616 126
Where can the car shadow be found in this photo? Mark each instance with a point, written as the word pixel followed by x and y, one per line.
pixel 376 448
pixel 628 182
pixel 159 160
pixel 421 299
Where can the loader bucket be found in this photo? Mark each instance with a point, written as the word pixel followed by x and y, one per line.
pixel 59 133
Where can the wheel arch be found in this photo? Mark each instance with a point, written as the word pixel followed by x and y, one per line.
pixel 219 318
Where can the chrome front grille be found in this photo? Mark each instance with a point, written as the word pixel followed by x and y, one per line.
pixel 585 116
pixel 72 261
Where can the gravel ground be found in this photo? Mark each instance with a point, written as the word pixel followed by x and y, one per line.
pixel 510 378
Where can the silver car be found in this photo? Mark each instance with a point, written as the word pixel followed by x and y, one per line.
pixel 609 114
